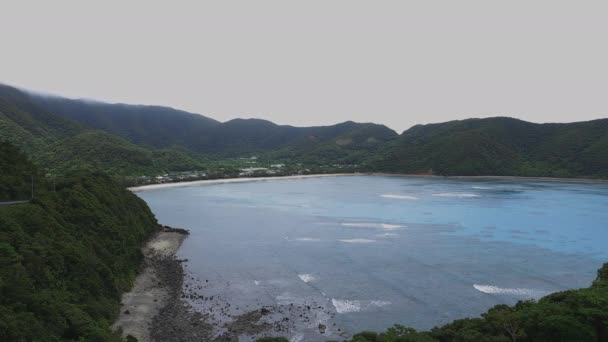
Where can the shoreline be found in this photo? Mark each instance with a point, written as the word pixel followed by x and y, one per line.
pixel 489 177
pixel 149 294
pixel 380 174
pixel 234 180
pixel 161 305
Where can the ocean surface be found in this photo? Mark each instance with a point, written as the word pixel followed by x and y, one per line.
pixel 365 252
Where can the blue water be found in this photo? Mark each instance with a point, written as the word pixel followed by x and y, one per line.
pixel 366 252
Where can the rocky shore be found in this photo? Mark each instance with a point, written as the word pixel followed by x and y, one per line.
pixel 158 307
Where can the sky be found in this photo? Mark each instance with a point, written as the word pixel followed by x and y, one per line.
pixel 304 63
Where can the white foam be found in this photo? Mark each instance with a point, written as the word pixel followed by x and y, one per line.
pixel 380 303
pixel 384 226
pixel 402 197
pixel 304 239
pixel 481 188
pixel 386 234
pixel 459 195
pixel 286 298
pixel 357 240
pixel 490 289
pixel 390 226
pixel 307 278
pixel 297 338
pixel 256 282
pixel 347 305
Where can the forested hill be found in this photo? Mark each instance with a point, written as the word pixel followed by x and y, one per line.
pixel 162 127
pixel 61 134
pixel 66 257
pixel 149 126
pixel 59 145
pixel 16 174
pixel 500 146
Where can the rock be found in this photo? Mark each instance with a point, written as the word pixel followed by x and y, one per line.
pixel 264 311
pixel 127 312
pixel 322 328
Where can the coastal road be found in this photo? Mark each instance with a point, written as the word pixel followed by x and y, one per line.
pixel 13 202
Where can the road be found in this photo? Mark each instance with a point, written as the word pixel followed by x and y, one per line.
pixel 13 202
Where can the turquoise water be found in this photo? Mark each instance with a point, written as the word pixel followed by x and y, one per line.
pixel 365 252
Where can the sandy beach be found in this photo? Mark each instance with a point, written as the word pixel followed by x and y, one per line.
pixel 254 179
pixel 234 180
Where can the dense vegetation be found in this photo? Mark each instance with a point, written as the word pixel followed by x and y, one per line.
pixel 500 146
pixel 66 257
pixel 162 127
pixel 573 315
pixel 59 145
pixel 16 174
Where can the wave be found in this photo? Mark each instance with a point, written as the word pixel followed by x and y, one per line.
pixel 347 305
pixel 384 226
pixel 520 292
pixel 287 298
pixel 380 303
pixel 403 197
pixel 386 234
pixel 459 195
pixel 482 188
pixel 305 239
pixel 297 338
pixel 356 240
pixel 307 278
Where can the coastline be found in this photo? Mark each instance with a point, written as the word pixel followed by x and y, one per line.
pixel 149 293
pixel 490 177
pixel 159 305
pixel 380 174
pixel 162 306
pixel 234 180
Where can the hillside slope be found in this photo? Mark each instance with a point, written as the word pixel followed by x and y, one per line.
pixel 171 134
pixel 58 144
pixel 66 257
pixel 500 146
pixel 149 126
pixel 161 127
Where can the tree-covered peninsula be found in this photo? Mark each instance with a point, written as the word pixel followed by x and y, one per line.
pixel 67 255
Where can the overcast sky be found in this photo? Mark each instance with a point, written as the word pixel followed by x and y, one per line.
pixel 399 63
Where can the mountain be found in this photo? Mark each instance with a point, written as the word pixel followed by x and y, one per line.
pixel 62 134
pixel 59 144
pixel 148 126
pixel 311 145
pixel 161 127
pixel 67 256
pixel 499 146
